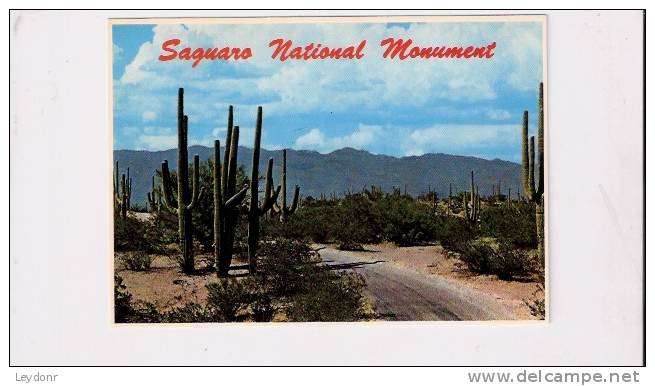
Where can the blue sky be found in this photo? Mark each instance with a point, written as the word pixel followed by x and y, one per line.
pixel 411 107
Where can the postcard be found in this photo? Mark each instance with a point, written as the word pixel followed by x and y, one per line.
pixel 358 169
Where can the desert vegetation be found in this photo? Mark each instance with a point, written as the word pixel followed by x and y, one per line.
pixel 261 255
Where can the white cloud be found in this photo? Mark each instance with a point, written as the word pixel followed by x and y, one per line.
pixel 315 139
pixel 497 114
pixel 156 142
pixel 148 116
pixel 458 139
pixel 130 131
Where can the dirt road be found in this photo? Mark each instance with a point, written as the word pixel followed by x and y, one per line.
pixel 404 294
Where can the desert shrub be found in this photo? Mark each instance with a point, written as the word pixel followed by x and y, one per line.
pixel 147 236
pixel 191 313
pixel 122 298
pixel 404 221
pixel 290 272
pixel 284 266
pixel 136 261
pixel 295 228
pixel 537 304
pixel 262 305
pixel 349 245
pixel 290 278
pixel 356 221
pixel 498 257
pixel 130 235
pixel 516 224
pixel 452 232
pixel 476 254
pixel 333 296
pixel 509 262
pixel 229 297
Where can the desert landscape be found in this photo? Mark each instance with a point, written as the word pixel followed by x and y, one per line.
pixel 212 245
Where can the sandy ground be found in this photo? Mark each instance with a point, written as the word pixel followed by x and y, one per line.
pixel 165 285
pixel 432 260
pixel 408 283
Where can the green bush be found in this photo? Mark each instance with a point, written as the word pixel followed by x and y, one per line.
pixel 122 298
pixel 331 297
pixel 229 298
pixel 285 267
pixel 148 236
pixel 497 257
pixel 452 232
pixel 516 223
pixel 356 221
pixel 405 222
pixel 191 313
pixel 136 261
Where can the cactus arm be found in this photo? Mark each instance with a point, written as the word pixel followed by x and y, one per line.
pixel 268 187
pixel 275 209
pixel 237 198
pixel 294 202
pixel 269 195
pixel 228 147
pixel 232 168
pixel 218 203
pixel 169 201
pixel 269 202
pixel 197 190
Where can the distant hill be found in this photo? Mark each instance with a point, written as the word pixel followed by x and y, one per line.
pixel 343 170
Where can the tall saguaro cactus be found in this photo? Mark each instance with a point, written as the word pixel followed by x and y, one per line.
pixel 226 198
pixel 285 211
pixel 473 214
pixel 532 192
pixel 254 209
pixel 186 200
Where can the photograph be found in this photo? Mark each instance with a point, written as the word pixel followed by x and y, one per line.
pixel 329 169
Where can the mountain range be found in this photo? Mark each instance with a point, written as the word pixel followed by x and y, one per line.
pixel 343 170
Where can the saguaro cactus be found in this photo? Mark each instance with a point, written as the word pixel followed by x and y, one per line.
pixel 254 209
pixel 284 211
pixel 226 198
pixel 450 197
pixel 534 193
pixel 154 198
pixel 186 200
pixel 122 192
pixel 472 214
